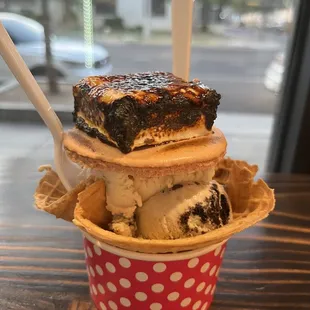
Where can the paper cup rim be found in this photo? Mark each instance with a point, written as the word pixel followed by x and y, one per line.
pixel 152 256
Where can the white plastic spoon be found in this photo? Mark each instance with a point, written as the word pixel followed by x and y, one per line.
pixel 66 170
pixel 182 20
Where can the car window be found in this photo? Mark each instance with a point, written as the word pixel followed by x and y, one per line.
pixel 22 32
pixel 11 36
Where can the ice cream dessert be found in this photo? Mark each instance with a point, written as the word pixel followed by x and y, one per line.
pixel 157 201
pixel 129 199
pixel 150 136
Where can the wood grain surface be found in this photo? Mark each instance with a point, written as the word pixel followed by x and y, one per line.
pixel 265 267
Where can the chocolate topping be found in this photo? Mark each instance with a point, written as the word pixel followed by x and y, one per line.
pixel 176 186
pixel 214 211
pixel 224 213
pixel 123 105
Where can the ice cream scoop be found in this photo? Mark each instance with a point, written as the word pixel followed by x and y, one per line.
pixel 184 210
pixel 147 187
pixel 125 193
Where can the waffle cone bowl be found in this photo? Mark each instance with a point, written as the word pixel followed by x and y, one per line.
pixel 251 202
pixel 135 273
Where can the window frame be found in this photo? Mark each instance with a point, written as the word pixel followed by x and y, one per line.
pixel 289 146
pixel 158 14
pixel 109 4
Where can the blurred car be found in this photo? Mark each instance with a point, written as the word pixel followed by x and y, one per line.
pixel 68 54
pixel 274 73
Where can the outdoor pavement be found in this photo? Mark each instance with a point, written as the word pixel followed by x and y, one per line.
pixel 219 35
pixel 236 73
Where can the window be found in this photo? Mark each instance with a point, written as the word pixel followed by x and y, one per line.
pixel 2 4
pixel 13 38
pixel 238 48
pixel 244 49
pixel 158 7
pixel 20 2
pixel 105 7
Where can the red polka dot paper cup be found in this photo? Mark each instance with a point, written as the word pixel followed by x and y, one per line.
pixel 121 279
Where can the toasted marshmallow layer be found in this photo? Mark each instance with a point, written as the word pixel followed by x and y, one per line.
pixel 155 135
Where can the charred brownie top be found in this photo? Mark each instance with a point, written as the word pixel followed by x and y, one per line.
pixel 143 109
pixel 145 87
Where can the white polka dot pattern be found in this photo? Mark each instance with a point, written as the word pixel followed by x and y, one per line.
pixel 101 289
pixel 97 250
pixel 110 267
pixel 111 287
pixel 94 289
pixel 173 296
pixel 185 302
pixel 157 288
pixel 159 267
pixel 197 305
pixel 193 263
pixel 92 272
pixel 205 267
pixel 141 276
pixel 89 252
pixel 223 252
pixel 212 271
pixel 156 306
pixel 217 251
pixel 125 283
pixel 208 289
pixel 87 269
pixel 112 305
pixel 125 302
pixel 213 290
pixel 124 262
pixel 200 287
pixel 189 283
pixel 141 296
pixel 176 276
pixel 99 270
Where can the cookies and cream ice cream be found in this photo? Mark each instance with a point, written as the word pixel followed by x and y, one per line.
pixel 185 210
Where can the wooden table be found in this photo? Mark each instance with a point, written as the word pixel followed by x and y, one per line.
pixel 266 267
